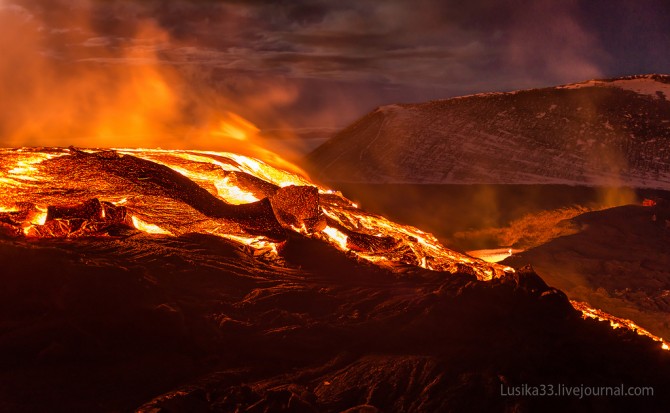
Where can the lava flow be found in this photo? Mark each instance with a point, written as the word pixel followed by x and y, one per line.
pixel 65 193
pixel 616 322
pixel 69 193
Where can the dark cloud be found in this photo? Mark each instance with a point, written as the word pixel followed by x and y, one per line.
pixel 635 34
pixel 350 55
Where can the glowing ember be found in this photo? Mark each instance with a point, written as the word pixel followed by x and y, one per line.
pixel 148 228
pixel 25 169
pixel 494 255
pixel 269 173
pixel 615 322
pixel 339 238
pixel 233 194
pixel 40 217
pixel 258 243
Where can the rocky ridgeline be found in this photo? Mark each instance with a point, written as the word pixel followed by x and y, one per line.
pixel 605 132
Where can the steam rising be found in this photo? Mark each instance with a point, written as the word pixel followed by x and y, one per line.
pixel 553 26
pixel 178 66
pixel 51 100
pixel 125 96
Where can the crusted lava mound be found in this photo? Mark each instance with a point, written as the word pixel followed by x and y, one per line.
pixel 69 193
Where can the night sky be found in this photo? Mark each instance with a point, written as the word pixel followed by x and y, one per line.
pixel 325 63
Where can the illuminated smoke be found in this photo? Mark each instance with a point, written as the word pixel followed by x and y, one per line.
pixel 63 86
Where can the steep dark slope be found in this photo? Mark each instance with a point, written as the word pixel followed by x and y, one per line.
pixel 608 133
pixel 106 325
pixel 619 261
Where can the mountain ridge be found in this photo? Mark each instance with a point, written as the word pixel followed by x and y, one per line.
pixel 599 132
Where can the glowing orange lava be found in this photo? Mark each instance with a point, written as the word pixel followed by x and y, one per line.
pixel 148 228
pixel 237 180
pixel 336 236
pixel 615 322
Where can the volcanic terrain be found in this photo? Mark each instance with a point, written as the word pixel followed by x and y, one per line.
pixel 174 281
pixel 612 132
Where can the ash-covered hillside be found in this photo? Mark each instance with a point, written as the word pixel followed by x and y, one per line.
pixel 601 132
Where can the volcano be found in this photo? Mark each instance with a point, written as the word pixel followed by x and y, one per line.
pixel 611 132
pixel 174 281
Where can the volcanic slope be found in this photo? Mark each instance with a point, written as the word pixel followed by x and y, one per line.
pixel 601 132
pixel 618 260
pixel 159 295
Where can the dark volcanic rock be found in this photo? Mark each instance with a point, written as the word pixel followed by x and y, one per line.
pixel 9 230
pixel 618 260
pixel 369 243
pixel 90 210
pixel 113 324
pixel 298 206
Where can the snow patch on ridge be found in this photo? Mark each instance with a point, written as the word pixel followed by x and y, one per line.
pixel 648 85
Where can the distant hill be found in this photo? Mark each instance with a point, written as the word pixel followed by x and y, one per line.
pixel 599 132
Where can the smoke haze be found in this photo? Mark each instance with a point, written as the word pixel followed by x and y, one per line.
pixel 166 71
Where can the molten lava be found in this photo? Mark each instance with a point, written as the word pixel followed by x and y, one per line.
pixel 54 192
pixel 616 322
